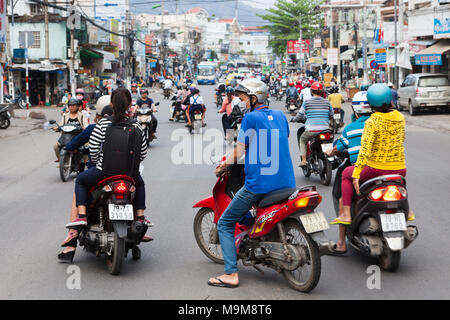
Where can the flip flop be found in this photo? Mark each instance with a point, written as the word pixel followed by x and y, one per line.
pixel 222 284
pixel 338 221
pixel 336 252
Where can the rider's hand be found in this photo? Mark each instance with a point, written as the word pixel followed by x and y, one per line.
pixel 356 185
pixel 55 129
pixel 220 170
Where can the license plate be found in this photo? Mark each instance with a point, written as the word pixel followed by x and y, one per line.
pixel 314 222
pixel 393 222
pixel 198 117
pixel 337 116
pixel 435 94
pixel 120 212
pixel 326 146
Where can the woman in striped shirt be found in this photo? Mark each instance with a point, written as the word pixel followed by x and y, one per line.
pixel 121 101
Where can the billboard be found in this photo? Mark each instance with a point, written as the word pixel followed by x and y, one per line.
pixel 2 21
pixel 294 47
pixel 110 9
pixel 441 28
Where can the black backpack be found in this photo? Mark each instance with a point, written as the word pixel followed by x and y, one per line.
pixel 122 148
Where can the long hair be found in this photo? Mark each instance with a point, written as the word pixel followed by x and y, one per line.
pixel 121 100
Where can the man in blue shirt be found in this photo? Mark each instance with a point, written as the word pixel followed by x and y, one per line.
pixel 263 138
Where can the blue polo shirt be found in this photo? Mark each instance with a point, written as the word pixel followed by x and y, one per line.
pixel 268 165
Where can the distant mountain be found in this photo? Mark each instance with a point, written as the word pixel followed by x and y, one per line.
pixel 247 15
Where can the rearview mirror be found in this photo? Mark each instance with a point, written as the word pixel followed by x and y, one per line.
pixel 52 122
pixel 156 104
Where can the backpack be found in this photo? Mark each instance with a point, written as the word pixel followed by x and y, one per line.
pixel 122 148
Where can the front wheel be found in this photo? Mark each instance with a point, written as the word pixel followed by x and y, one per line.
pixel 114 262
pixel 65 163
pixel 4 124
pixel 326 172
pixel 206 235
pixel 306 277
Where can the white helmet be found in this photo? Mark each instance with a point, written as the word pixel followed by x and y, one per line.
pixel 102 102
pixel 253 87
pixel 360 104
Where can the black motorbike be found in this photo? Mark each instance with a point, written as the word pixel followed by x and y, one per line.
pixel 70 161
pixel 220 98
pixel 112 229
pixel 379 218
pixel 176 111
pixel 273 91
pixel 292 105
pixel 280 94
pixel 167 93
pixel 317 162
pixel 5 117
pixel 97 94
pixel 19 100
pixel 144 118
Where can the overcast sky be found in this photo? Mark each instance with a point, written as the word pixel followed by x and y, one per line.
pixel 261 3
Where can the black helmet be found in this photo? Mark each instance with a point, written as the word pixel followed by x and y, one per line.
pixel 73 101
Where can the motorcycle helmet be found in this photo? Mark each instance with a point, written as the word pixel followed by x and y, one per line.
pixel 229 89
pixel 360 104
pixel 364 87
pixel 316 86
pixel 144 91
pixel 291 84
pixel 379 95
pixel 102 102
pixel 79 91
pixel 253 87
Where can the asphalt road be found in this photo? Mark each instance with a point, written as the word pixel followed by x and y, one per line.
pixel 35 206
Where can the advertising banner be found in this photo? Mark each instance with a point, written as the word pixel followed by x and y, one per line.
pixel 110 9
pixel 380 56
pixel 441 28
pixel 2 21
pixel 294 47
pixel 332 57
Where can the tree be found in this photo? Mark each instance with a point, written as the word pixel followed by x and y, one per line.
pixel 284 20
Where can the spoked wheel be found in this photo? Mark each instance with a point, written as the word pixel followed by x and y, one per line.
pixel 65 163
pixel 114 261
pixel 4 124
pixel 206 235
pixel 306 277
pixel 390 260
pixel 306 170
pixel 326 172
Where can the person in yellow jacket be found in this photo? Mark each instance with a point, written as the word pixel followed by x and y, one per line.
pixel 382 151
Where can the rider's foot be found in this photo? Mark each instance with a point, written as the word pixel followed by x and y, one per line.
pixel 147 239
pixel 80 221
pixel 145 220
pixel 225 280
pixel 66 257
pixel 71 239
pixel 171 119
pixel 204 125
pixel 303 164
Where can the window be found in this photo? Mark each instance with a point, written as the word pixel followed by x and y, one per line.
pixel 34 39
pixel 36 8
pixel 435 81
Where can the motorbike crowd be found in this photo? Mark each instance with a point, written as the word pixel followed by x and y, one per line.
pixel 261 219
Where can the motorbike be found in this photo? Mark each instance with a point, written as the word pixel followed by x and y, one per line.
pixel 196 122
pixel 336 122
pixel 97 94
pixel 112 229
pixel 144 118
pixel 19 101
pixel 292 105
pixel 236 121
pixel 70 162
pixel 282 231
pixel 181 116
pixel 317 162
pixel 280 94
pixel 5 117
pixel 273 91
pixel 379 219
pixel 220 99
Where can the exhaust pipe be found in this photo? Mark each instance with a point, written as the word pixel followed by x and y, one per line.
pixel 411 233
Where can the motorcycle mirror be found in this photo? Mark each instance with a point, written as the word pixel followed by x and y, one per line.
pixel 156 104
pixel 52 122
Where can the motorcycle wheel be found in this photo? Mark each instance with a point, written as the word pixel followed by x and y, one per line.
pixel 296 234
pixel 4 124
pixel 205 230
pixel 327 172
pixel 390 260
pixel 65 163
pixel 114 262
pixel 22 104
pixel 306 171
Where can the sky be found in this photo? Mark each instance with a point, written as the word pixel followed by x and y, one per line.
pixel 260 3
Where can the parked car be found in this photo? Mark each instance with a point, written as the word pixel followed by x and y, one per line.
pixel 424 90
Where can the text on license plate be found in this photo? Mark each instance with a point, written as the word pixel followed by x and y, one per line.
pixel 314 222
pixel 198 117
pixel 337 116
pixel 326 146
pixel 120 212
pixel 393 222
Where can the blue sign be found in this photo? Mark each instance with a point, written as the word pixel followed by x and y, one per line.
pixel 20 53
pixel 442 26
pixel 380 58
pixel 428 59
pixel 373 64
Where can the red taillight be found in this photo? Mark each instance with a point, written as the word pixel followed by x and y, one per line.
pixel 388 193
pixel 121 187
pixel 325 136
pixel 417 92
pixel 310 201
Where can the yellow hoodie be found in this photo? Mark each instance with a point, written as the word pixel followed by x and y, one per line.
pixel 382 143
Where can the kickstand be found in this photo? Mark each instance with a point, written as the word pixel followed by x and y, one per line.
pixel 259 269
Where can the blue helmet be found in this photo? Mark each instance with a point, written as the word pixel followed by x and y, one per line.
pixel 229 89
pixel 364 87
pixel 378 95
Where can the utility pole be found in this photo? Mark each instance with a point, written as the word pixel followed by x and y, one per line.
pixel 364 17
pixel 162 51
pixel 331 35
pixel 47 84
pixel 72 79
pixel 395 44
pixel 300 42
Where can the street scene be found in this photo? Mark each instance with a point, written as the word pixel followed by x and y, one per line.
pixel 224 150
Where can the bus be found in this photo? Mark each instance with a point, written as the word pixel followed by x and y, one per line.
pixel 206 73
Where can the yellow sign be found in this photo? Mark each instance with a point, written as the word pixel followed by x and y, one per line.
pixel 327 79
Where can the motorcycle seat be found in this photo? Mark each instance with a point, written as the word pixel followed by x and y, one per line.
pixel 394 178
pixel 275 197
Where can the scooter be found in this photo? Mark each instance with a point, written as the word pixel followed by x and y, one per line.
pixel 196 122
pixel 379 220
pixel 282 231
pixel 336 121
pixel 144 117
pixel 292 105
pixel 5 117
pixel 19 101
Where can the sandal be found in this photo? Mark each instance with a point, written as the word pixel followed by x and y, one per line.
pixel 71 240
pixel 222 284
pixel 335 252
pixel 339 221
pixel 66 257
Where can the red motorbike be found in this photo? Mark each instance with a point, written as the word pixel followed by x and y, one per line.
pixel 282 231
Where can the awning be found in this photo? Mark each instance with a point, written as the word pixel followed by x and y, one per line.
pixel 85 53
pixel 106 55
pixel 39 67
pixel 433 54
pixel 347 55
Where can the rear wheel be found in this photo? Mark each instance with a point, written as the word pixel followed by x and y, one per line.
pixel 65 163
pixel 4 124
pixel 390 260
pixel 327 172
pixel 206 235
pixel 412 111
pixel 306 277
pixel 114 261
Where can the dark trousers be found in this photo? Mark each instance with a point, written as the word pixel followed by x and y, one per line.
pixel 154 122
pixel 89 178
pixel 226 123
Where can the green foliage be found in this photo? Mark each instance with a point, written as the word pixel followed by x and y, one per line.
pixel 284 22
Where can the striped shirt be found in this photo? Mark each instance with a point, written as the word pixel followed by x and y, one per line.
pixel 351 138
pixel 318 112
pixel 97 140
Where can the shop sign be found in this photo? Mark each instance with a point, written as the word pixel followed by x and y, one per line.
pixel 294 47
pixel 317 43
pixel 441 28
pixel 428 59
pixel 380 56
pixel 3 21
pixel 332 57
